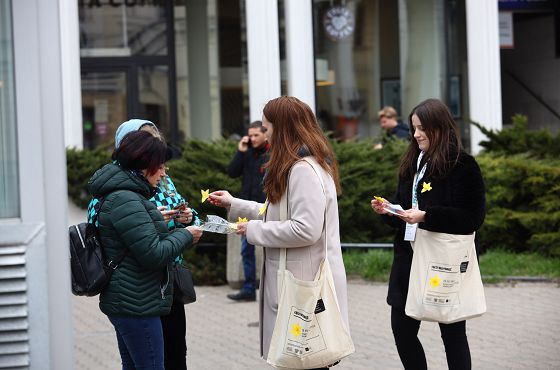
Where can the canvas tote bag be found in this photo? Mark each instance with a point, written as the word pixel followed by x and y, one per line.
pixel 309 331
pixel 445 283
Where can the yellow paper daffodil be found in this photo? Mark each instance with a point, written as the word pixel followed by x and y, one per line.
pixel 205 194
pixel 296 330
pixel 244 219
pixel 435 281
pixel 262 209
pixel 426 186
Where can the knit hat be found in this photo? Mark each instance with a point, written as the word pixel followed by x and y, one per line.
pixel 128 127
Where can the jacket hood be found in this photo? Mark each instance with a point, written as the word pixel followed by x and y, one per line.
pixel 112 177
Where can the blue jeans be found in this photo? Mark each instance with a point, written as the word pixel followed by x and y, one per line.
pixel 140 342
pixel 249 266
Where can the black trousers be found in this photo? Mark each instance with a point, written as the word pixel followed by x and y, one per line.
pixel 405 332
pixel 174 328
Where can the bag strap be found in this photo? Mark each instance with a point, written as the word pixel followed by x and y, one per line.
pixel 284 213
pixel 114 263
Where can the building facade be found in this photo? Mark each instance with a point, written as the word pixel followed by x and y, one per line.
pixel 205 68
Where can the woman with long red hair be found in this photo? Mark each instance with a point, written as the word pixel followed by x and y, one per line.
pixel 296 140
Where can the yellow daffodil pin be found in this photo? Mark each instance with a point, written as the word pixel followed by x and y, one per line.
pixel 244 219
pixel 296 330
pixel 205 194
pixel 426 186
pixel 435 281
pixel 262 210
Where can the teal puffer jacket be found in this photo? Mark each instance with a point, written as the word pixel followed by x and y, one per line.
pixel 141 285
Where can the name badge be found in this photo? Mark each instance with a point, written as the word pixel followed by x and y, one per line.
pixel 410 232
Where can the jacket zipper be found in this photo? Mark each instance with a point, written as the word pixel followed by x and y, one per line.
pixel 166 284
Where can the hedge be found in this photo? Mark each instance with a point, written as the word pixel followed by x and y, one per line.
pixel 522 182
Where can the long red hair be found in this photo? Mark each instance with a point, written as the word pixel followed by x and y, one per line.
pixel 294 130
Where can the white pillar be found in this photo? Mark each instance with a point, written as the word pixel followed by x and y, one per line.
pixel 299 50
pixel 71 77
pixel 199 66
pixel 483 53
pixel 263 54
pixel 422 51
pixel 42 174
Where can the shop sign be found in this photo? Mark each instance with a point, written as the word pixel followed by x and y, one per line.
pixel 528 4
pixel 506 30
pixel 338 23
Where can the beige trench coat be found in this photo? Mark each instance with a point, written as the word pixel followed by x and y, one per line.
pixel 302 234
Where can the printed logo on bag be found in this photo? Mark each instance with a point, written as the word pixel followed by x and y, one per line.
pixel 306 335
pixel 435 281
pixel 463 267
pixel 296 330
pixel 442 285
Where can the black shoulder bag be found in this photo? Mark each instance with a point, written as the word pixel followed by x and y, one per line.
pixel 90 271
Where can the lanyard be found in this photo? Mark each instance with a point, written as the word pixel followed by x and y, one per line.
pixel 419 175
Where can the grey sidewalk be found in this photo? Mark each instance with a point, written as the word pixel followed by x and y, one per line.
pixel 521 330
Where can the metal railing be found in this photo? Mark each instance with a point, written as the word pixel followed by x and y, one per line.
pixel 366 245
pixel 343 245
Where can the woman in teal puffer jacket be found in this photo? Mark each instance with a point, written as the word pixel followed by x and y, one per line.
pixel 140 290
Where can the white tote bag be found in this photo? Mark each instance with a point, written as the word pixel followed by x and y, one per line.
pixel 445 283
pixel 309 331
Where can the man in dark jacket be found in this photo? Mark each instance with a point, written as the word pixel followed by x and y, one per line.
pixel 393 127
pixel 248 162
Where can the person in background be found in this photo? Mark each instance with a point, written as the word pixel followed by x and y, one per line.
pixel 251 155
pixel 391 126
pixel 139 291
pixel 175 211
pixel 294 134
pixel 442 190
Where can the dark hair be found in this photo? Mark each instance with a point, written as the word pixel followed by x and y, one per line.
pixel 140 150
pixel 294 127
pixel 257 124
pixel 441 130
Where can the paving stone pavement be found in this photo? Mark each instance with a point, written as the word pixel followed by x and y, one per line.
pixel 521 330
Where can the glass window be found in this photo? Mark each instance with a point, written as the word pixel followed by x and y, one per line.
pixel 104 106
pixel 232 51
pixel 122 28
pixel 356 64
pixel 153 96
pixel 9 189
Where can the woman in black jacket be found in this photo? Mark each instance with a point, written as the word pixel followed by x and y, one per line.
pixel 441 189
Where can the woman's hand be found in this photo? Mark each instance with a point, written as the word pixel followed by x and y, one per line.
pixel 378 207
pixel 196 233
pixel 167 215
pixel 413 216
pixel 221 198
pixel 241 228
pixel 185 216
